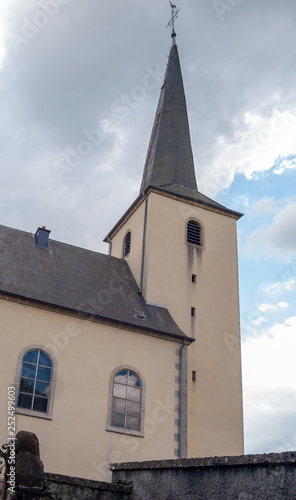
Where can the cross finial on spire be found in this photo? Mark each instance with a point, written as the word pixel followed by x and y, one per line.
pixel 174 16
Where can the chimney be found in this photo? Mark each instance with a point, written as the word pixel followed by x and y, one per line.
pixel 41 237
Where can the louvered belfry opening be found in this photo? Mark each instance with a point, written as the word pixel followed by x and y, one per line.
pixel 127 244
pixel 193 233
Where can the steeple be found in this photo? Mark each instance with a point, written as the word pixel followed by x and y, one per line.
pixel 181 249
pixel 169 163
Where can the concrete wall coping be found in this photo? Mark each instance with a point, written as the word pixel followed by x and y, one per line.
pixel 287 457
pixel 87 483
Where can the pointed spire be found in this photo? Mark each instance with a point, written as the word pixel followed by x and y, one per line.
pixel 169 161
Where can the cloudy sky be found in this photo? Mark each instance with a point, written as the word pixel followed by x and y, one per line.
pixel 79 84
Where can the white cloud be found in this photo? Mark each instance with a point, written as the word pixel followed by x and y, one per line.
pixel 273 307
pixel 281 286
pixel 265 139
pixel 257 143
pixel 259 321
pixel 263 206
pixel 286 164
pixel 269 377
pixel 275 240
pixel 5 7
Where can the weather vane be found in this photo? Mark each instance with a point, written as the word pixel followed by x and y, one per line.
pixel 174 16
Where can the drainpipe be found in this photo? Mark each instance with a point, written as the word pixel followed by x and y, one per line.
pixel 181 398
pixel 143 245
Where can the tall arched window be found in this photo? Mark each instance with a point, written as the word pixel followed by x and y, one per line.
pixel 126 403
pixel 194 233
pixel 127 244
pixel 35 381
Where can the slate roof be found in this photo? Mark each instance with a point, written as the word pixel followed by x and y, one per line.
pixel 169 158
pixel 191 194
pixel 169 163
pixel 76 279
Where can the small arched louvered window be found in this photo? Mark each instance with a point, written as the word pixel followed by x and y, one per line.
pixel 194 233
pixel 35 381
pixel 126 401
pixel 127 244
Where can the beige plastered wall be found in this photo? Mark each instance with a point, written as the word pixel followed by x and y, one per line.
pixel 215 412
pixel 75 441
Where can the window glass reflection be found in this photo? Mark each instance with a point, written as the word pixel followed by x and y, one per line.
pixel 133 379
pixel 133 407
pixel 31 357
pixel 121 377
pixel 35 381
pixel 118 419
pixel 27 385
pixel 44 359
pixel 134 393
pixel 40 404
pixel 119 405
pixel 42 389
pixel 119 391
pixel 44 374
pixel 126 401
pixel 29 370
pixel 133 423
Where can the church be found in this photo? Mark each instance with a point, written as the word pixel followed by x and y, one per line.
pixel 134 355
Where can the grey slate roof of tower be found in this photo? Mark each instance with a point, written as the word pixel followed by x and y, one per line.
pixel 78 280
pixel 169 159
pixel 169 164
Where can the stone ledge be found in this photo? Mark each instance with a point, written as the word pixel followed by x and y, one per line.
pixel 87 483
pixel 287 457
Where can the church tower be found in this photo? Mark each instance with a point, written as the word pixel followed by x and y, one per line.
pixel 181 247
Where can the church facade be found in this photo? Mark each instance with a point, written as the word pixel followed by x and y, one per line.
pixel 134 355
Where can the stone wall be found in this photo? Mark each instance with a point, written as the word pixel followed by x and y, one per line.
pixel 70 488
pixel 249 477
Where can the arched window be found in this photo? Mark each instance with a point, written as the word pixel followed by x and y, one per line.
pixel 127 244
pixel 35 381
pixel 194 233
pixel 126 402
